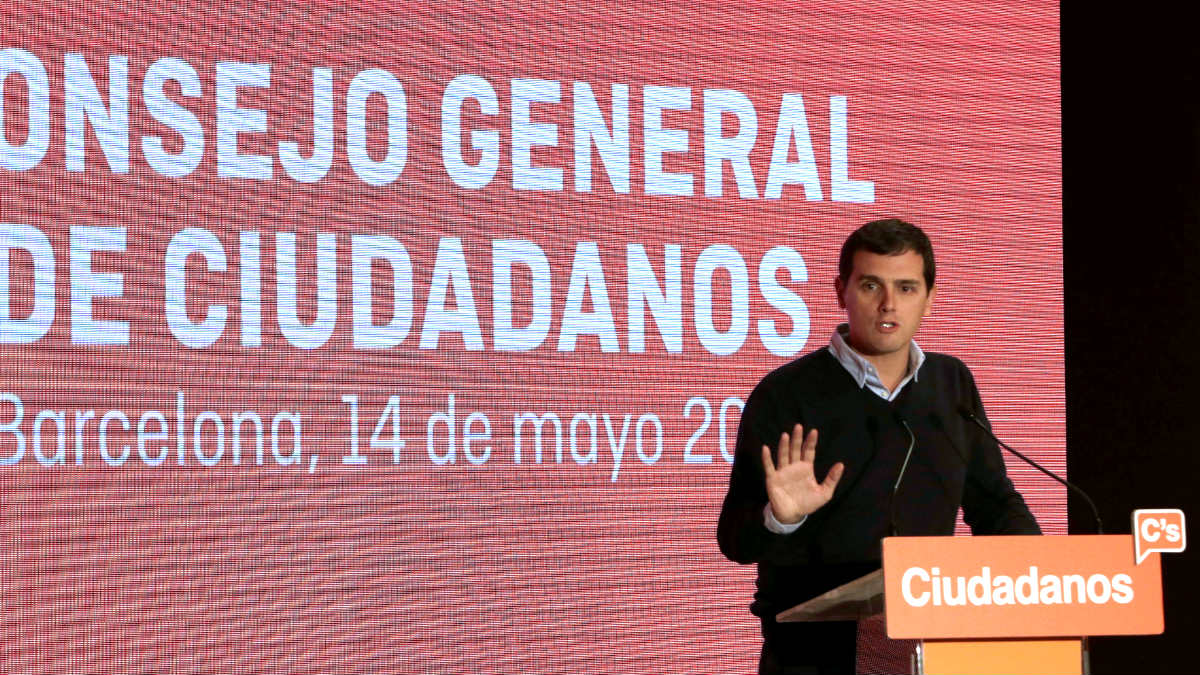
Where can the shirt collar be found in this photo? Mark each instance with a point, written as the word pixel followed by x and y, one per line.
pixel 864 372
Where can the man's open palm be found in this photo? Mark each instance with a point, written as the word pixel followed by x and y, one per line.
pixel 791 485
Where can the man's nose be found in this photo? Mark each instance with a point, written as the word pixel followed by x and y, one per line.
pixel 887 299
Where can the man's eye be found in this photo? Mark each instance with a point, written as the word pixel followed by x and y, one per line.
pixel 869 286
pixel 909 289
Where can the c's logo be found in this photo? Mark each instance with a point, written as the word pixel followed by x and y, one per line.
pixel 1158 530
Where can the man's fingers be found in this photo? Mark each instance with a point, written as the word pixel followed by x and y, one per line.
pixel 784 456
pixel 832 478
pixel 808 451
pixel 768 465
pixel 797 440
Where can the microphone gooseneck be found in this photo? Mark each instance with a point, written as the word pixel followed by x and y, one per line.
pixel 912 443
pixel 970 416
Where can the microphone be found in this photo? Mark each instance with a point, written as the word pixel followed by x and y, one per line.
pixel 912 443
pixel 969 415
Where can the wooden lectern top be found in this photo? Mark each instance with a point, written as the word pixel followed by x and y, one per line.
pixel 855 600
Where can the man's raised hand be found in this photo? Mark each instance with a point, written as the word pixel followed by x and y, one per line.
pixel 791 485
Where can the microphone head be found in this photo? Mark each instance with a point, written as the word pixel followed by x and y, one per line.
pixel 971 417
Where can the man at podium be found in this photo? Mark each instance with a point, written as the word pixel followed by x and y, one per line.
pixel 858 440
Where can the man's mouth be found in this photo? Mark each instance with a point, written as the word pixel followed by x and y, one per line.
pixel 887 325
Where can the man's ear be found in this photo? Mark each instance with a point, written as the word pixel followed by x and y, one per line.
pixel 929 301
pixel 840 287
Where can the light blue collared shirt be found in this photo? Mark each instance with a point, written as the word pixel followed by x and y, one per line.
pixel 865 374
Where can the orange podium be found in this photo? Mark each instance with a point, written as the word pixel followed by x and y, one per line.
pixel 1007 605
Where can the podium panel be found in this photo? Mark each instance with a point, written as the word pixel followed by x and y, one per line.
pixel 1019 587
pixel 1000 657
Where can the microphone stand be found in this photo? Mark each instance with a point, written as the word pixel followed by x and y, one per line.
pixel 966 412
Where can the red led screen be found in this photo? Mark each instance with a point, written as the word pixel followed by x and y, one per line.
pixel 413 338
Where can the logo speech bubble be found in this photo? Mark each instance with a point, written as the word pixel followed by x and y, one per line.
pixel 1158 530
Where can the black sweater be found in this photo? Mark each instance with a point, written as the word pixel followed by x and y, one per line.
pixel 953 463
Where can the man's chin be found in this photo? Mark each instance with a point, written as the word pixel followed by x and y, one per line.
pixel 886 345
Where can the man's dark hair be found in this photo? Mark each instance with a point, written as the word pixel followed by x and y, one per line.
pixel 889 236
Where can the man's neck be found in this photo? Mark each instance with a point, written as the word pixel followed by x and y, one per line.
pixel 892 368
